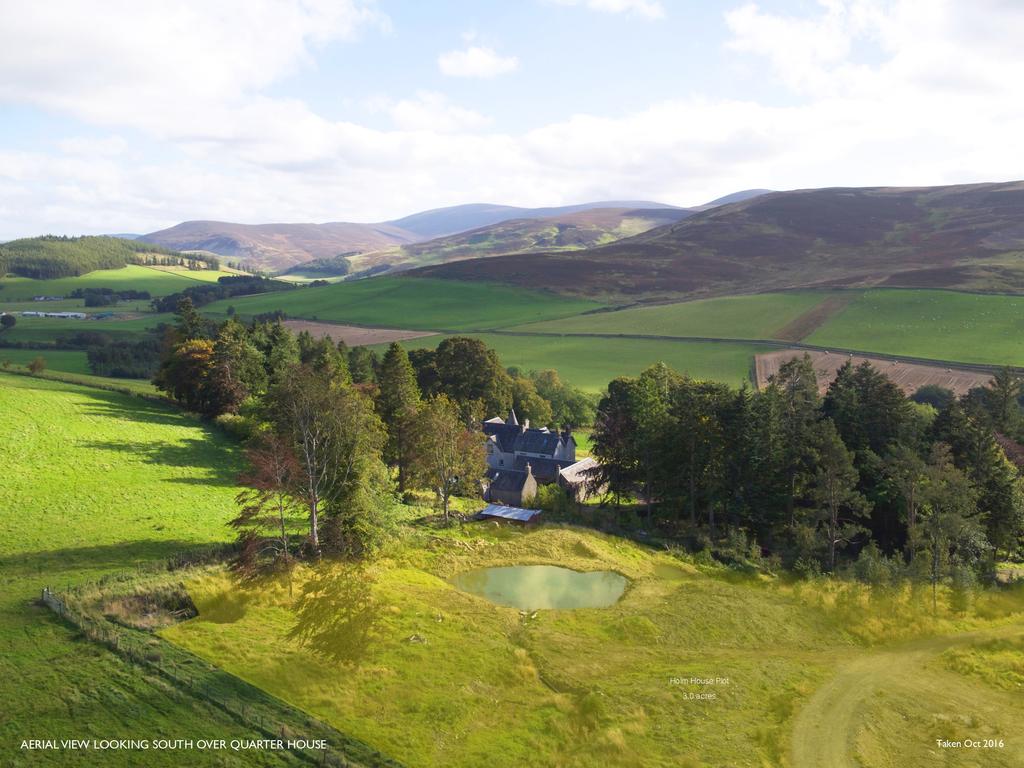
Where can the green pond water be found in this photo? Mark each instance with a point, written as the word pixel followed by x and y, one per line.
pixel 530 587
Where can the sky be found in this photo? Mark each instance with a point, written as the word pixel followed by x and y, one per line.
pixel 126 116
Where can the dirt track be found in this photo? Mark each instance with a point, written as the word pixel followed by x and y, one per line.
pixel 907 376
pixel 828 729
pixel 353 335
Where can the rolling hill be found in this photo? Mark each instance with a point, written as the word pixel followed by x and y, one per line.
pixel 565 231
pixel 276 247
pixel 735 197
pixel 461 218
pixel 966 236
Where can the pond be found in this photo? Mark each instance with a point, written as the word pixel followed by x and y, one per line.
pixel 530 587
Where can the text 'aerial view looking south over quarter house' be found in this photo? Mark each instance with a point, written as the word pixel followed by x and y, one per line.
pixel 553 384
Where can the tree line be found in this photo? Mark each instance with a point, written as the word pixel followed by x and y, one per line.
pixel 819 480
pixel 225 287
pixel 107 297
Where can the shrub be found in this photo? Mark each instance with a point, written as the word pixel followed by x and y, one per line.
pixel 237 426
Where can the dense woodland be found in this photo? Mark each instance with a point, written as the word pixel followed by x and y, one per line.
pixel 224 288
pixel 818 481
pixel 862 478
pixel 51 256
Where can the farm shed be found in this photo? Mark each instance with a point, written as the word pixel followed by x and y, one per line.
pixel 579 479
pixel 511 514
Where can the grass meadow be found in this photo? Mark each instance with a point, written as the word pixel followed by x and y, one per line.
pixel 65 360
pixel 944 325
pixel 414 303
pixel 695 666
pixel 740 317
pixel 96 482
pixel 45 330
pixel 590 363
pixel 158 281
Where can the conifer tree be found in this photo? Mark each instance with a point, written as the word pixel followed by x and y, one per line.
pixel 398 403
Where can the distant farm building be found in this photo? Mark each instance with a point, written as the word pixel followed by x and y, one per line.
pixel 64 315
pixel 521 457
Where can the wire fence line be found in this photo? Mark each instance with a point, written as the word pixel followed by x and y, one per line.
pixel 248 705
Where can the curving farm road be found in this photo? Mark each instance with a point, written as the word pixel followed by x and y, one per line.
pixel 826 729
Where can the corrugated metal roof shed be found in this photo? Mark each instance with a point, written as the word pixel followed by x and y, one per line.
pixel 509 513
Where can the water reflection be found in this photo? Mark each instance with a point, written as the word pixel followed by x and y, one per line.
pixel 530 587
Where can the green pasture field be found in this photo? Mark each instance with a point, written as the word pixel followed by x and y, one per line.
pixel 66 360
pixel 96 482
pixel 48 329
pixel 131 277
pixel 756 316
pixel 943 325
pixel 414 303
pixel 70 366
pixel 590 363
pixel 694 666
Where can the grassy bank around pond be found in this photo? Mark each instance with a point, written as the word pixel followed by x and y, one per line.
pixel 696 665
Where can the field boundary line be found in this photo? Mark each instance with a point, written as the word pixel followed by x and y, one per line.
pixel 983 367
pixel 137 647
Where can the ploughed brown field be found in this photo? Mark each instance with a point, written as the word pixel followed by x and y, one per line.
pixel 907 376
pixel 354 335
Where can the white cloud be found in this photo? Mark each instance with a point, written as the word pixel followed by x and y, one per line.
pixel 476 61
pixel 650 9
pixel 898 92
pixel 170 63
pixel 82 145
pixel 432 111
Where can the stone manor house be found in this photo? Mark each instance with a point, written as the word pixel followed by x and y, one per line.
pixel 521 457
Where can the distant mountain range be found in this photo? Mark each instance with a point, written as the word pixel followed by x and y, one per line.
pixel 965 236
pixel 566 231
pixel 462 218
pixel 278 247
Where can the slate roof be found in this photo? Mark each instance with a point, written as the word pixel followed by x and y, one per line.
pixel 512 438
pixel 504 434
pixel 537 441
pixel 508 480
pixel 545 470
pixel 509 513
